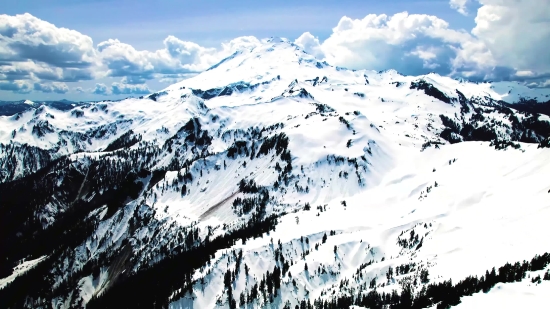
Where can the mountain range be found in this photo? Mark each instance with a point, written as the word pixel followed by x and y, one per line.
pixel 276 180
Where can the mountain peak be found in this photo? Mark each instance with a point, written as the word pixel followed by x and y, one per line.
pixel 275 58
pixel 276 39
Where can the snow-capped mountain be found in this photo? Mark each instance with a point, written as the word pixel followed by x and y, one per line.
pixel 275 180
pixel 8 108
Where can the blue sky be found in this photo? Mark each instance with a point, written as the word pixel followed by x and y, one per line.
pixel 449 37
pixel 144 24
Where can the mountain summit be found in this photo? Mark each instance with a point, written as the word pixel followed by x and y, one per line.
pixel 276 57
pixel 283 59
pixel 274 179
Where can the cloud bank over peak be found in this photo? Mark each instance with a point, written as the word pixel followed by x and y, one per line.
pixel 516 32
pixel 177 57
pixel 36 55
pixel 382 42
pixel 509 42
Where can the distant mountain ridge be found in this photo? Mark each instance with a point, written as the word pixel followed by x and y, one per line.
pixel 8 108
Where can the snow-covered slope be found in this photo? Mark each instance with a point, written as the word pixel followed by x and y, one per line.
pixel 226 184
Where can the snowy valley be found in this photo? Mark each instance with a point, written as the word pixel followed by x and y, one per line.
pixel 275 180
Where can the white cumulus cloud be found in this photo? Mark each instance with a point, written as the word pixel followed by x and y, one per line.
pixel 55 87
pixel 176 58
pixel 17 86
pixel 460 6
pixel 100 89
pixel 34 51
pixel 310 44
pixel 517 32
pixel 119 88
pixel 510 37
pixel 33 48
pixel 381 42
